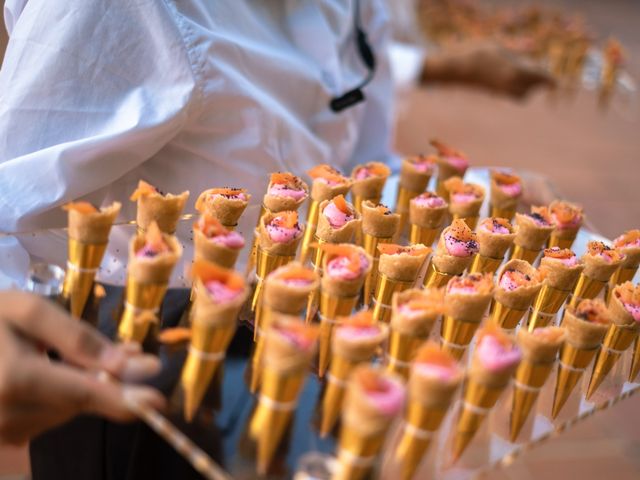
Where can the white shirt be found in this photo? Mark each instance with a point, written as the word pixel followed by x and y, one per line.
pixel 185 94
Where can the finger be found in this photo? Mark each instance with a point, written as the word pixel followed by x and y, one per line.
pixel 70 391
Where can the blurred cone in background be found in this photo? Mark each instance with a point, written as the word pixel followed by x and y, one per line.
pixel 415 173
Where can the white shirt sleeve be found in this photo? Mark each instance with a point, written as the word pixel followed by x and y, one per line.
pixel 90 89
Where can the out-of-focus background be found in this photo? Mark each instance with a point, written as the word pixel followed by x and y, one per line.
pixel 591 154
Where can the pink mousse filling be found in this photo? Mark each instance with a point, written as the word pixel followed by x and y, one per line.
pixel 494 356
pixel 463 197
pixel 235 196
pixel 508 280
pixel 538 219
pixel 281 234
pixel 572 261
pixel 458 163
pixel 363 173
pixel 407 311
pixel 432 370
pixel 633 309
pixel 297 282
pixel 459 248
pixel 493 226
pixel 300 341
pixel 337 218
pixel 429 201
pixel 281 190
pixel 388 401
pixel 329 182
pixel 339 268
pixel 350 332
pixel 220 293
pixel 461 289
pixel 619 242
pixel 148 251
pixel 230 240
pixel 422 167
pixel 574 223
pixel 511 189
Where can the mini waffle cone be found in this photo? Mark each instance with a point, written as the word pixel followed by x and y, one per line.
pixel 412 179
pixel 558 275
pixel 377 224
pixel 266 244
pixel 529 235
pixel 164 210
pixel 287 298
pixel 446 263
pixel 205 249
pixel 502 204
pixel 427 218
pixel 493 245
pixel 278 203
pixel 227 210
pixel 345 234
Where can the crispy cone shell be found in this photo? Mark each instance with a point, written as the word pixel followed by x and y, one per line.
pixel 467 209
pixel 287 298
pixel 277 203
pixel 564 237
pixel 425 217
pixel 88 237
pixel 493 245
pixel 446 263
pixel 212 329
pixel 283 377
pixel 511 305
pixel 412 179
pixel 582 341
pixel 368 188
pixel 205 249
pixel 529 235
pixel 560 276
pixel 266 244
pixel 363 431
pixel 622 333
pixel 378 224
pixel 226 210
pixel 347 354
pixel 539 354
pixel 428 402
pixel 325 232
pixel 502 202
pixel 164 210
pixel 321 191
pixel 147 280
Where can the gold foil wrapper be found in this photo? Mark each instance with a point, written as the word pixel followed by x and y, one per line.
pixel 507 318
pixel 421 424
pixel 529 379
pixel 206 354
pixel 441 190
pixel 334 392
pixel 507 213
pixel 402 208
pixel 357 204
pixel 545 306
pixel 635 361
pixel 456 335
pixel 82 265
pixel 482 264
pixel 331 307
pixel 317 255
pixel 426 236
pixel 622 275
pixel 555 241
pixel 309 231
pixel 276 404
pixel 256 359
pixel 253 253
pixel 357 453
pixel 573 363
pixel 471 222
pixel 521 253
pixel 586 288
pixel 371 247
pixel 435 278
pixel 478 401
pixel 139 298
pixel 402 350
pixel 385 288
pixel 618 339
pixel 539 319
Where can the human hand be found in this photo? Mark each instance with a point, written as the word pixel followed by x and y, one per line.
pixel 487 65
pixel 37 394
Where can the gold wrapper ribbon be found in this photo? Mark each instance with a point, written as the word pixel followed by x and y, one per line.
pixel 635 361
pixel 274 411
pixel 253 253
pixel 385 288
pixel 402 208
pixel 357 453
pixel 423 235
pixel 456 335
pixel 529 379
pixel 265 264
pixel 420 425
pixel 258 337
pixel 139 298
pixel 586 288
pixel 573 362
pixel 622 275
pixel 471 222
pixel 318 258
pixel 478 401
pixel 545 306
pixel 521 253
pixel 482 264
pixel 402 350
pixel 82 265
pixel 555 241
pixel 435 278
pixel 618 339
pixel 371 247
pixel 309 231
pixel 331 307
pixel 507 213
pixel 333 397
pixel 505 317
